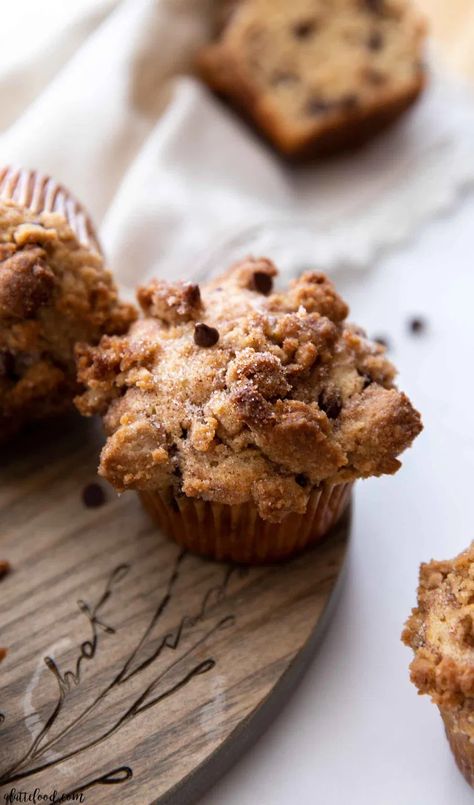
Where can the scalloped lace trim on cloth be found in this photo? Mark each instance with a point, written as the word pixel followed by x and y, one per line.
pixel 179 184
pixel 217 193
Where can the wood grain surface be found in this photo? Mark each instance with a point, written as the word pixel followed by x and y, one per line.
pixel 134 672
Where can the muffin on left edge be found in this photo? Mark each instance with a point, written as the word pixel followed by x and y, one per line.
pixel 243 416
pixel 54 292
pixel 440 631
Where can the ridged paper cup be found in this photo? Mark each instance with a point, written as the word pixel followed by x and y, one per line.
pixel 238 533
pixel 461 745
pixel 39 193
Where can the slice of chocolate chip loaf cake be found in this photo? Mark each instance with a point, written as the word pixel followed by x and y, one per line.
pixel 316 76
pixel 243 415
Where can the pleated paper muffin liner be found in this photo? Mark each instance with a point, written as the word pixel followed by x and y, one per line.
pixel 238 533
pixel 461 746
pixel 38 193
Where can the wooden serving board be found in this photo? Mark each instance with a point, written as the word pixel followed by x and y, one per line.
pixel 135 672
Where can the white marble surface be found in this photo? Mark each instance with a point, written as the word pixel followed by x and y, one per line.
pixel 355 730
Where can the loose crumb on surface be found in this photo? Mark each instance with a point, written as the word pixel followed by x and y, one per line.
pixel 417 325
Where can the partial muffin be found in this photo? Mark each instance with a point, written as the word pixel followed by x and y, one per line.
pixel 316 76
pixel 242 416
pixel 54 292
pixel 440 631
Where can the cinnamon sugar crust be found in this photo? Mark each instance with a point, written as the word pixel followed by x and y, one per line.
pixel 53 292
pixel 316 76
pixel 289 396
pixel 440 631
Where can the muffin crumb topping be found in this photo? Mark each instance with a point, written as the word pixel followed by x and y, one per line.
pixel 205 336
pixel 290 395
pixel 440 631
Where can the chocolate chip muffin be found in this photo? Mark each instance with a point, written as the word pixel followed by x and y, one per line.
pixel 440 631
pixel 241 415
pixel 54 291
pixel 317 76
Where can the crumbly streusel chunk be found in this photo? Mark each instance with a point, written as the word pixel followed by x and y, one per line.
pixel 232 393
pixel 54 292
pixel 440 631
pixel 317 75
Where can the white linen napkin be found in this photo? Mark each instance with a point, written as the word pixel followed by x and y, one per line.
pixel 179 184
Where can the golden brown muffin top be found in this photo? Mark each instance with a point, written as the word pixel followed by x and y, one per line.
pixel 440 631
pixel 54 291
pixel 233 392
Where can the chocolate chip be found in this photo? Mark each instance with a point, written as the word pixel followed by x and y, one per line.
pixel 417 325
pixel 317 106
pixel 4 568
pixel 261 282
pixel 3 653
pixel 93 496
pixel 331 403
pixel 205 336
pixel 302 480
pixel 174 504
pixel 375 41
pixel 382 340
pixel 304 29
pixel 349 101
